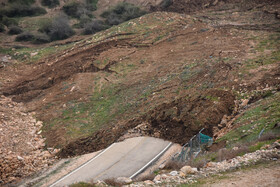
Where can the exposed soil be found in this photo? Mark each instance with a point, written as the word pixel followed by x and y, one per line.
pixel 261 176
pixel 177 78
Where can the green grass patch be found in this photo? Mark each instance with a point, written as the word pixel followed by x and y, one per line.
pixel 104 107
pixel 268 50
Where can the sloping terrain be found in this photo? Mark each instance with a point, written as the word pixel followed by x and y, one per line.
pixel 165 74
pixel 183 74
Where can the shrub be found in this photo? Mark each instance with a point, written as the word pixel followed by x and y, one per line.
pixel 20 10
pixel 166 3
pixel 122 12
pixel 25 36
pixel 2 27
pixel 94 26
pixel 41 38
pixel 76 10
pixel 15 30
pixel 60 29
pixel 84 20
pixel 173 165
pixel 269 136
pixel 92 4
pixel 112 182
pixel 149 176
pixel 24 2
pixel 83 184
pixel 226 154
pixel 50 3
pixel 9 21
pixel 46 27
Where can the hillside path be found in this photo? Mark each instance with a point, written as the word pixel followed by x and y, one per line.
pixel 123 159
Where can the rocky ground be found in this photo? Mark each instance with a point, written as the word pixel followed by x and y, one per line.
pixel 22 150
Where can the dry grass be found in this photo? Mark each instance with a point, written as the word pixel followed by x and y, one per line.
pixel 226 154
pixel 197 163
pixel 149 176
pixel 113 182
pixel 268 136
pixel 174 165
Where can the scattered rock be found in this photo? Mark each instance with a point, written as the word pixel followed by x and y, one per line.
pixel 244 102
pixel 148 182
pixel 174 173
pixel 21 150
pixel 157 178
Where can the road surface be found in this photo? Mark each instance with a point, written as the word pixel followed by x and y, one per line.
pixel 123 159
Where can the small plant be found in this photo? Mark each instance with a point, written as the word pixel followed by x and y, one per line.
pixel 82 184
pixel 122 12
pixel 2 28
pixel 76 10
pixel 15 30
pixel 174 165
pixel 50 3
pixel 166 3
pixel 41 38
pixel 84 20
pixel 46 27
pixel 112 182
pixel 269 136
pixel 92 4
pixel 24 2
pixel 60 29
pixel 149 176
pixel 94 26
pixel 226 154
pixel 9 21
pixel 25 36
pixel 22 10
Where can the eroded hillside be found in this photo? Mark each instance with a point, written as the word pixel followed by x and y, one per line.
pixel 165 74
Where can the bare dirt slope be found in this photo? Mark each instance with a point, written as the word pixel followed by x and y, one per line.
pixel 166 74
pixel 176 73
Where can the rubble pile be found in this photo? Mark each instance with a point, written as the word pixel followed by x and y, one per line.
pixel 22 150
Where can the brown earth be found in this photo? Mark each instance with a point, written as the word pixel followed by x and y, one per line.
pixel 262 175
pixel 176 77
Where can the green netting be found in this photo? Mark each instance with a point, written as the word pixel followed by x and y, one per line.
pixel 195 145
pixel 204 138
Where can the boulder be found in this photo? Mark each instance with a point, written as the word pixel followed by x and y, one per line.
pixel 157 178
pixel 188 170
pixel 174 173
pixel 182 174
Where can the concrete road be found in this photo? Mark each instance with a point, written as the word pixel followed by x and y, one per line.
pixel 123 159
